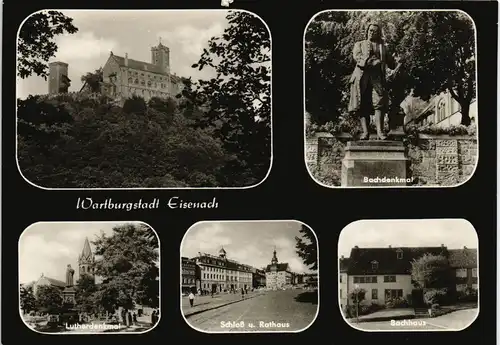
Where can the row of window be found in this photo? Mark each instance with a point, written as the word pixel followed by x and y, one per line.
pixel 228 278
pixel 222 270
pixel 371 279
pixel 388 293
pixel 188 272
pixel 154 77
pixel 188 280
pixel 462 272
pixel 148 83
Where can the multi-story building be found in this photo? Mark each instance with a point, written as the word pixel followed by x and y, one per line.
pixel 188 275
pixel 218 273
pixel 384 273
pixel 343 291
pixel 443 111
pixel 464 264
pixel 258 278
pixel 123 78
pixel 278 275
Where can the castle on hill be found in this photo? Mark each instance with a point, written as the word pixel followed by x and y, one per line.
pixel 125 78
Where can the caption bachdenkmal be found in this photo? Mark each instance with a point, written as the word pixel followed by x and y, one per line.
pixel 173 203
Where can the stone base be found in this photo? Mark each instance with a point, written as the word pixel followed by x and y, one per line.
pixel 69 295
pixel 374 163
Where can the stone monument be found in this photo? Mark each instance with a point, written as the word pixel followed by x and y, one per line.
pixel 69 291
pixel 374 163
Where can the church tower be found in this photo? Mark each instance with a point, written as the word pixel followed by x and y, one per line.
pixel 222 253
pixel 160 56
pixel 86 260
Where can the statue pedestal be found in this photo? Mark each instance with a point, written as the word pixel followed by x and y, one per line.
pixel 374 163
pixel 68 294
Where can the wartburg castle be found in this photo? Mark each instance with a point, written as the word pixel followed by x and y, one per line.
pixel 125 78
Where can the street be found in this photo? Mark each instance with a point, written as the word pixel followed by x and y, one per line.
pixel 454 321
pixel 270 312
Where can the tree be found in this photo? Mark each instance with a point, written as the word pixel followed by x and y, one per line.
pixel 36 41
pixel 307 247
pixel 430 271
pixel 237 101
pixel 440 55
pixel 49 299
pixel 27 299
pixel 85 290
pixel 93 80
pixel 128 266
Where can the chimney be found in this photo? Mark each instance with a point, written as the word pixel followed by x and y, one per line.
pixel 342 257
pixel 356 247
pixel 465 248
pixel 126 59
pixel 390 246
pixel 442 245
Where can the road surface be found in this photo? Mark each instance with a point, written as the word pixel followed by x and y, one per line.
pixel 454 321
pixel 273 311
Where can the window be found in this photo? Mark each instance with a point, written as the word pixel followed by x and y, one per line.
pixel 365 280
pixel 130 80
pixel 399 254
pixel 389 279
pixel 340 293
pixel 441 110
pixel 136 81
pixel 149 84
pixel 461 273
pixel 374 265
pixel 374 294
pixel 393 293
pixel 474 272
pixel 341 278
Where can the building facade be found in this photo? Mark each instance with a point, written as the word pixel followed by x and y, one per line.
pixel 443 111
pixel 463 262
pixel 278 275
pixel 125 78
pixel 258 278
pixel 59 81
pixel 188 275
pixel 218 273
pixel 383 273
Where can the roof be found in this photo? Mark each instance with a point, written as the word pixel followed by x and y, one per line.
pixel 140 65
pixel 217 261
pixel 462 258
pixel 86 252
pixel 54 282
pixel 344 264
pixel 361 259
pixel 281 267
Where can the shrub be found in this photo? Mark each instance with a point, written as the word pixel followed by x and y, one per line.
pixel 398 302
pixel 468 295
pixel 365 309
pixel 435 306
pixel 435 296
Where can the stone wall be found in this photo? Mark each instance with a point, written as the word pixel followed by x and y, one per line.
pixel 435 160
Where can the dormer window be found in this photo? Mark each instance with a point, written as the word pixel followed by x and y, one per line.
pixel 399 254
pixel 374 265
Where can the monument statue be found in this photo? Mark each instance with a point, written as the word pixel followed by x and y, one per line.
pixel 368 82
pixel 69 276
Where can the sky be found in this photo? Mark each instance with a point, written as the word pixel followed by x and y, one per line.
pixel 250 243
pixel 186 33
pixel 453 233
pixel 49 247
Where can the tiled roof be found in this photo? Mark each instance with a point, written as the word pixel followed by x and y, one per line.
pixel 139 65
pixel 462 258
pixel 281 267
pixel 361 259
pixel 344 264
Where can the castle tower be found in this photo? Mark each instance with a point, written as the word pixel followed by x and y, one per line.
pixel 274 260
pixel 86 260
pixel 58 77
pixel 160 56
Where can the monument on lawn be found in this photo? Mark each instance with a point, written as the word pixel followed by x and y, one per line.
pixel 69 291
pixel 374 162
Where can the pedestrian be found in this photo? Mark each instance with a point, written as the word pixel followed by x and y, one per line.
pixel 242 293
pixel 191 299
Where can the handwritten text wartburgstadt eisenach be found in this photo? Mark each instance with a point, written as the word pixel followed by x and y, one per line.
pixel 173 203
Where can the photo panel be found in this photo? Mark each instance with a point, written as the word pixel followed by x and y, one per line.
pixel 387 102
pixel 249 276
pixel 181 99
pixel 89 277
pixel 417 275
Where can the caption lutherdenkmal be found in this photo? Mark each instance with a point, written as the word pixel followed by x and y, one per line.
pixel 144 204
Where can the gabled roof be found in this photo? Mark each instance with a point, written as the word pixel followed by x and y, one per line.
pixel 361 259
pixel 281 267
pixel 463 258
pixel 54 282
pixel 139 65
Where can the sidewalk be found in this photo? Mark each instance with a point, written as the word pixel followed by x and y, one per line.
pixel 204 303
pixel 386 315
